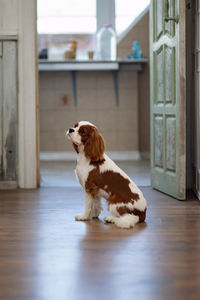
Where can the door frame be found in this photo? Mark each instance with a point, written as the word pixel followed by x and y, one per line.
pixel 28 152
pixel 27 84
pixel 29 162
pixel 18 19
pixel 196 115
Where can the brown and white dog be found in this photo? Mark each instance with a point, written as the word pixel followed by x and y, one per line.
pixel 101 177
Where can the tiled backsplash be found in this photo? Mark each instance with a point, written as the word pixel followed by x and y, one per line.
pixel 96 103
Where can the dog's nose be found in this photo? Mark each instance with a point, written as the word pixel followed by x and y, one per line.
pixel 71 130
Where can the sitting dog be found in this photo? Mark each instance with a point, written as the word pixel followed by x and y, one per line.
pixel 101 177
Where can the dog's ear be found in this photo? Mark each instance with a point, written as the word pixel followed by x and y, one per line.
pixel 94 146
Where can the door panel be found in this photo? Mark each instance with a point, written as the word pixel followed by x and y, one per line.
pixel 8 110
pixel 158 123
pixel 169 11
pixel 168 97
pixel 159 75
pixel 159 20
pixel 171 143
pixel 170 74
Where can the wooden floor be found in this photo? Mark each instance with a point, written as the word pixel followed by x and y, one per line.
pixel 45 254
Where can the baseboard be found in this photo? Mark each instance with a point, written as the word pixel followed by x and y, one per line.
pixel 8 185
pixel 58 156
pixel 71 156
pixel 197 193
pixel 145 155
pixel 124 155
pixel 196 185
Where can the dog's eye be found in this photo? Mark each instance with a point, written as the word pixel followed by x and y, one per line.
pixel 81 130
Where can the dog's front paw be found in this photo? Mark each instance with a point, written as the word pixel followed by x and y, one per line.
pixel 81 218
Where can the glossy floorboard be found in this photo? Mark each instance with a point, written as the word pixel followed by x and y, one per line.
pixel 45 254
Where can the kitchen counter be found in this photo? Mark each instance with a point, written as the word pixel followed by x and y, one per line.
pixel 92 65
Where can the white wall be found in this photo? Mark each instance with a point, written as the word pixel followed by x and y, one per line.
pixel 18 17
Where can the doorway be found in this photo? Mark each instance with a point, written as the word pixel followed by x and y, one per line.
pixel 124 125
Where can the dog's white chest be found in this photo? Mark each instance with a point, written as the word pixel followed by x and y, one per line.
pixel 83 169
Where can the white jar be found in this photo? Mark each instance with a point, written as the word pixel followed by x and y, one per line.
pixel 106 43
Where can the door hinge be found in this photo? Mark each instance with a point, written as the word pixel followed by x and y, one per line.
pixel 1 49
pixel 173 19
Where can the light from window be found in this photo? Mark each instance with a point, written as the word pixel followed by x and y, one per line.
pixel 66 16
pixel 126 11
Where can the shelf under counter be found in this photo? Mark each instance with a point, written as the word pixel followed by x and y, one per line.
pixel 73 66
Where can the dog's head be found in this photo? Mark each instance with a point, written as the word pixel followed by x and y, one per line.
pixel 85 134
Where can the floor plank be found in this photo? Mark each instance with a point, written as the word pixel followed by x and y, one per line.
pixel 45 254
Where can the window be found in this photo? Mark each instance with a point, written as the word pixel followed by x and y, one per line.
pixel 79 16
pixel 126 11
pixel 66 16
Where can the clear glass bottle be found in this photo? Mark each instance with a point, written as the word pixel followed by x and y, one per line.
pixel 106 43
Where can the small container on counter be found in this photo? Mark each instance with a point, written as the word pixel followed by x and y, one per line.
pixel 136 50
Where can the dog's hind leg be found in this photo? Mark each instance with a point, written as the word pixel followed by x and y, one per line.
pixel 125 221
